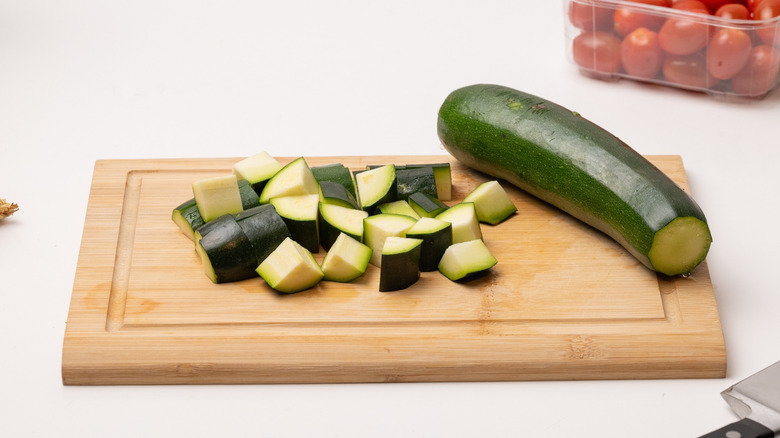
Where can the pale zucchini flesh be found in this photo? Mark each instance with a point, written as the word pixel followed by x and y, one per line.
pixel 335 219
pixel 346 260
pixel 216 196
pixel 464 260
pixel 491 202
pixel 398 207
pixel 678 246
pixel 300 214
pixel 257 169
pixel 463 217
pixel 376 186
pixel 290 268
pixel 293 179
pixel 377 228
pixel 187 217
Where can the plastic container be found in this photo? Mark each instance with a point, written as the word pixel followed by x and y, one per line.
pixel 687 49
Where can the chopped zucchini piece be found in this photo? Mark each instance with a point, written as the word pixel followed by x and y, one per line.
pixel 414 180
pixel 346 260
pixel 300 213
pixel 465 260
pixel 442 172
pixel 293 179
pixel 491 202
pixel 216 196
pixel 187 217
pixel 264 228
pixel 436 237
pixel 426 205
pixel 463 218
pixel 290 268
pixel 335 193
pixel 257 170
pixel 249 198
pixel 337 173
pixel 335 219
pixel 226 252
pixel 376 186
pixel 379 227
pixel 398 207
pixel 400 263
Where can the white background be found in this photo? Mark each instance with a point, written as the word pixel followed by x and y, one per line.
pixel 94 79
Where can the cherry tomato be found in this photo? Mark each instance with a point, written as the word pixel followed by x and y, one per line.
pixel 733 11
pixel 713 5
pixel 628 18
pixel 728 52
pixel 767 10
pixel 751 4
pixel 760 73
pixel 688 71
pixel 683 36
pixel 597 51
pixel 640 54
pixel 691 5
pixel 584 15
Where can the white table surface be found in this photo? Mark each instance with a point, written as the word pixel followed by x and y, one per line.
pixel 87 80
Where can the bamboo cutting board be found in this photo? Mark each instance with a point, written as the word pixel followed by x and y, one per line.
pixel 564 302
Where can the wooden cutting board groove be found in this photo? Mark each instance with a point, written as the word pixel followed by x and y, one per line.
pixel 564 302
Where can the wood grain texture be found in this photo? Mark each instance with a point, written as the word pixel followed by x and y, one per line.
pixel 564 302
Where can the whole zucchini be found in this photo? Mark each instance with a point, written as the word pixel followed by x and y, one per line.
pixel 562 158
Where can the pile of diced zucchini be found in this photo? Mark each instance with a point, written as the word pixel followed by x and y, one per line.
pixel 267 219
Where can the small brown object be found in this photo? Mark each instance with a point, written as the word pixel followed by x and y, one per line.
pixel 7 209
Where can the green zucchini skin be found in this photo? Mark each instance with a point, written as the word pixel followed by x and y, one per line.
pixel 400 270
pixel 228 251
pixel 337 173
pixel 188 218
pixel 434 243
pixel 264 228
pixel 414 180
pixel 335 193
pixel 249 198
pixel 564 159
pixel 426 205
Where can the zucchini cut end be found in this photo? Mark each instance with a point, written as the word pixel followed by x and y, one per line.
pixel 466 260
pixel 491 202
pixel 680 246
pixel 290 268
pixel 347 259
pixel 208 269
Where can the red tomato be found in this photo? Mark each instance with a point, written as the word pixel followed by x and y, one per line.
pixel 640 54
pixel 598 51
pixel 628 18
pixel 691 5
pixel 683 36
pixel 584 15
pixel 760 73
pixel 713 5
pixel 728 52
pixel 751 4
pixel 688 71
pixel 733 11
pixel 767 10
